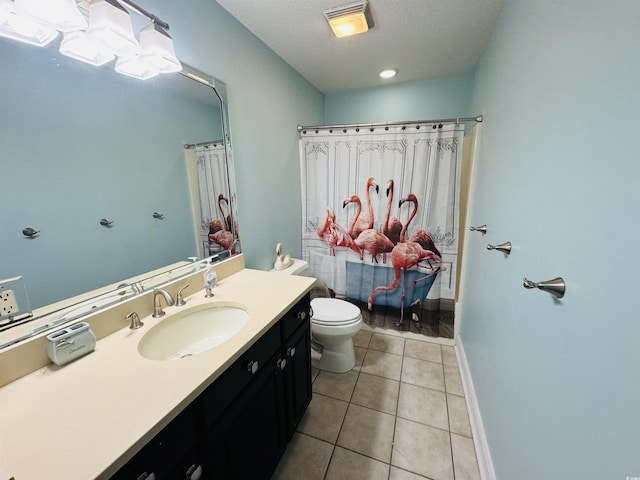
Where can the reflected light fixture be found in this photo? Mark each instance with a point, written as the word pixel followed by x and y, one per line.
pixel 350 19
pixel 388 73
pixel 107 34
pixel 80 46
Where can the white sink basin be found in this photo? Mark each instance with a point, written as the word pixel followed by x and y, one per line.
pixel 192 331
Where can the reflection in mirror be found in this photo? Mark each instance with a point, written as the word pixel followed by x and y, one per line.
pixel 81 144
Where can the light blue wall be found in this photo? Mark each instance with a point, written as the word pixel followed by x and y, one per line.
pixel 267 99
pixel 442 97
pixel 79 144
pixel 557 175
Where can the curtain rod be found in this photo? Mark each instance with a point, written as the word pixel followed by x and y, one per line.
pixel 202 144
pixel 477 119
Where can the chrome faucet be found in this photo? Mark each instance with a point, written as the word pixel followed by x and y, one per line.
pixel 157 307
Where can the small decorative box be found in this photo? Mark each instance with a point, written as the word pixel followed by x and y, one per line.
pixel 70 343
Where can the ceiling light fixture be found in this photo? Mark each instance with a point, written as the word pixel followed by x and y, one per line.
pixel 350 19
pixel 388 73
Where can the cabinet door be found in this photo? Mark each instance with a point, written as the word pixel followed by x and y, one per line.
pixel 165 454
pixel 247 442
pixel 297 351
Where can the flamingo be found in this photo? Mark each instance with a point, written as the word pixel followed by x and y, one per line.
pixel 336 236
pixel 223 238
pixel 391 226
pixel 227 218
pixel 403 257
pixel 215 226
pixel 375 243
pixel 352 223
pixel 421 236
pixel 364 221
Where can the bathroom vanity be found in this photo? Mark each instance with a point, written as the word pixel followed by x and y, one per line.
pixel 238 427
pixel 227 412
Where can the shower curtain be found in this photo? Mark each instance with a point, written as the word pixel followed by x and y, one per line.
pixel 380 212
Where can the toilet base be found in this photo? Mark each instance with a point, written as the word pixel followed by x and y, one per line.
pixel 339 359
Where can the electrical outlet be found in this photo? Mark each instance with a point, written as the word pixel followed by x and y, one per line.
pixel 8 304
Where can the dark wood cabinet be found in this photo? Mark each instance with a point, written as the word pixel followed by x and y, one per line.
pixel 172 454
pixel 297 371
pixel 238 428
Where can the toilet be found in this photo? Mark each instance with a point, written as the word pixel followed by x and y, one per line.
pixel 334 322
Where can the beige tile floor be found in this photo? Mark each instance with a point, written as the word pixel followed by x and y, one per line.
pixel 400 414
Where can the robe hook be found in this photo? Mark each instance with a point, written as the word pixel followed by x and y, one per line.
pixel 482 229
pixel 30 232
pixel 106 223
pixel 503 247
pixel 555 286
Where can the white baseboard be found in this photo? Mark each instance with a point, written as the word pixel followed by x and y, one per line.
pixel 485 464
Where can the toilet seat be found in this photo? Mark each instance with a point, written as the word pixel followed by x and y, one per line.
pixel 334 312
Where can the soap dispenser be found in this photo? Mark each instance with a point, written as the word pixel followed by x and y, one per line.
pixel 209 279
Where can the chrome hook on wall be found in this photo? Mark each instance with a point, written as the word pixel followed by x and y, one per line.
pixel 555 286
pixel 503 247
pixel 157 215
pixel 106 223
pixel 30 232
pixel 482 229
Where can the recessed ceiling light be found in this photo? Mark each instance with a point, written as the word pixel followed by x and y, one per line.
pixel 349 19
pixel 388 73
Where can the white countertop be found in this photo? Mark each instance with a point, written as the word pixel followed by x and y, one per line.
pixel 86 419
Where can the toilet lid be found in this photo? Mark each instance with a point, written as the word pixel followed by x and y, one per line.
pixel 331 311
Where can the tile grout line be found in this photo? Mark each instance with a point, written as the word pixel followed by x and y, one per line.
pixel 345 413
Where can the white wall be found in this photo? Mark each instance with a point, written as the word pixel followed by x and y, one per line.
pixel 557 174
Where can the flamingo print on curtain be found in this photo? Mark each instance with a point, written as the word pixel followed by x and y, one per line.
pixel 380 212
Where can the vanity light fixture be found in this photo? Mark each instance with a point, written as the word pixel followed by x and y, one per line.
pixel 62 15
pixel 388 73
pixel 110 24
pixel 349 19
pixel 108 33
pixel 23 29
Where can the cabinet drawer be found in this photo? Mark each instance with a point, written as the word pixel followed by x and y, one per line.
pixel 295 317
pixel 218 397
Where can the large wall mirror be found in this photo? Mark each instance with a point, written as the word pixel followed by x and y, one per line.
pixel 119 176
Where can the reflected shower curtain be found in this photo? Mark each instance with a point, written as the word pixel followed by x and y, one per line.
pixel 213 209
pixel 380 211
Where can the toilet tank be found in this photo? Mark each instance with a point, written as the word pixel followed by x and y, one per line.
pixel 298 267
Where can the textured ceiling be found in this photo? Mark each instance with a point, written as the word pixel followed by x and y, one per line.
pixel 422 38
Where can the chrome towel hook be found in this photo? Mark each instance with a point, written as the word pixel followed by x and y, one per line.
pixel 157 215
pixel 106 223
pixel 482 229
pixel 503 247
pixel 30 232
pixel 555 286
